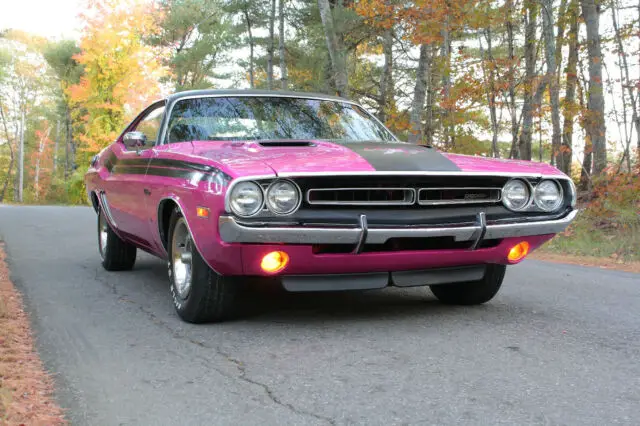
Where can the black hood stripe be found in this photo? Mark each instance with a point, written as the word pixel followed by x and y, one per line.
pixel 162 167
pixel 401 157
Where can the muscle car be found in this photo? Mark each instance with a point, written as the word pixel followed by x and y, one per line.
pixel 314 192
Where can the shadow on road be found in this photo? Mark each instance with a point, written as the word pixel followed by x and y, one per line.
pixel 266 300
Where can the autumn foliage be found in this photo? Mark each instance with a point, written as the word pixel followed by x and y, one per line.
pixel 122 72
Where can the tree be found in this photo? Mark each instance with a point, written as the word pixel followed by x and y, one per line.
pixel 595 128
pixel 197 35
pixel 569 106
pixel 551 76
pixel 60 58
pixel 283 63
pixel 121 71
pixel 336 49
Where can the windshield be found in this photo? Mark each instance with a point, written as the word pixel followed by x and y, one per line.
pixel 271 118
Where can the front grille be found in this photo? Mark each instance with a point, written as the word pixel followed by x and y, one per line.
pixel 455 196
pixel 383 195
pixel 362 196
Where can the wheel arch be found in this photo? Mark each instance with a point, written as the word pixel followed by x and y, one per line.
pixel 93 197
pixel 166 206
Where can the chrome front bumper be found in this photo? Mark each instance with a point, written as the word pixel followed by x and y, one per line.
pixel 233 232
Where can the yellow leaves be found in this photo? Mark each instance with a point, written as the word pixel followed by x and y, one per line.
pixel 122 73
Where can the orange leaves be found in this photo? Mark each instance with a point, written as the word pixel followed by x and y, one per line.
pixel 122 73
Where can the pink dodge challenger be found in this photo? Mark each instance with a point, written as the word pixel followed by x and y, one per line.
pixel 314 191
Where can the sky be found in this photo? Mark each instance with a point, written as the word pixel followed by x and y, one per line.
pixel 48 18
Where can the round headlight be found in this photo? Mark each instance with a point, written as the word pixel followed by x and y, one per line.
pixel 547 195
pixel 283 197
pixel 246 199
pixel 515 195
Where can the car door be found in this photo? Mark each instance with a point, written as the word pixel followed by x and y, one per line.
pixel 125 187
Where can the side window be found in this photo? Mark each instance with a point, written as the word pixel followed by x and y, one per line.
pixel 150 125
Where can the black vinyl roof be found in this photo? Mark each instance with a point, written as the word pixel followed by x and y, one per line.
pixel 250 92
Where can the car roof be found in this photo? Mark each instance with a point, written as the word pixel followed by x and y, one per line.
pixel 251 92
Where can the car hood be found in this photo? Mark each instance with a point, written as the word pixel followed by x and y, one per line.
pixel 268 158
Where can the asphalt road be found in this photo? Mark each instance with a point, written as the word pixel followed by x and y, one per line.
pixel 559 345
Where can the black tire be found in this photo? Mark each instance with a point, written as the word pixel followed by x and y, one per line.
pixel 117 255
pixel 211 297
pixel 473 292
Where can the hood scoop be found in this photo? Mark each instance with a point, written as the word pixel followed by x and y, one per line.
pixel 286 144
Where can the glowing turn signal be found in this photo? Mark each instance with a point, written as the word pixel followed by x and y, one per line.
pixel 518 252
pixel 274 262
pixel 202 212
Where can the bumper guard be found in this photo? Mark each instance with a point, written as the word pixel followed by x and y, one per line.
pixel 233 232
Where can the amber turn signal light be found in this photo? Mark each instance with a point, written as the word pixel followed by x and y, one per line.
pixel 518 252
pixel 274 262
pixel 202 212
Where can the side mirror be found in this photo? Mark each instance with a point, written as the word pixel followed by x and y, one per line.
pixel 134 140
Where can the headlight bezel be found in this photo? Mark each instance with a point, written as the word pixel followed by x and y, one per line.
pixel 560 201
pixel 297 190
pixel 529 189
pixel 231 197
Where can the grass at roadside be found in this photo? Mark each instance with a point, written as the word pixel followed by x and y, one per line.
pixel 618 242
pixel 25 388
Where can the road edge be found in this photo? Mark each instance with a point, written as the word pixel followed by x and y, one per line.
pixel 26 388
pixel 594 262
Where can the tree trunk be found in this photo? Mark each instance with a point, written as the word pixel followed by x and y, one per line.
pixel 336 50
pixel 252 81
pixel 585 172
pixel 429 127
pixel 36 179
pixel 386 82
pixel 569 111
pixel 490 89
pixel 524 142
pixel 626 82
pixel 21 157
pixel 271 45
pixel 551 77
pixel 511 77
pixel 283 64
pixel 446 82
pixel 596 130
pixel 11 156
pixel 419 94
pixel 55 147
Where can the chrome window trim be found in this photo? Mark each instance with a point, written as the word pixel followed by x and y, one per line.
pixel 169 111
pixel 412 191
pixel 456 202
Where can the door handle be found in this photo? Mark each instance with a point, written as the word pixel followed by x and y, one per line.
pixel 147 191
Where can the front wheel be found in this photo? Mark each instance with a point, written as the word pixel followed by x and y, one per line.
pixel 473 292
pixel 199 294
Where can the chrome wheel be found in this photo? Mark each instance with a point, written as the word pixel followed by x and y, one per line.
pixel 181 247
pixel 103 229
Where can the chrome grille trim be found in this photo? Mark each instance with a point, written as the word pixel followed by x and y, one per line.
pixel 496 199
pixel 408 199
